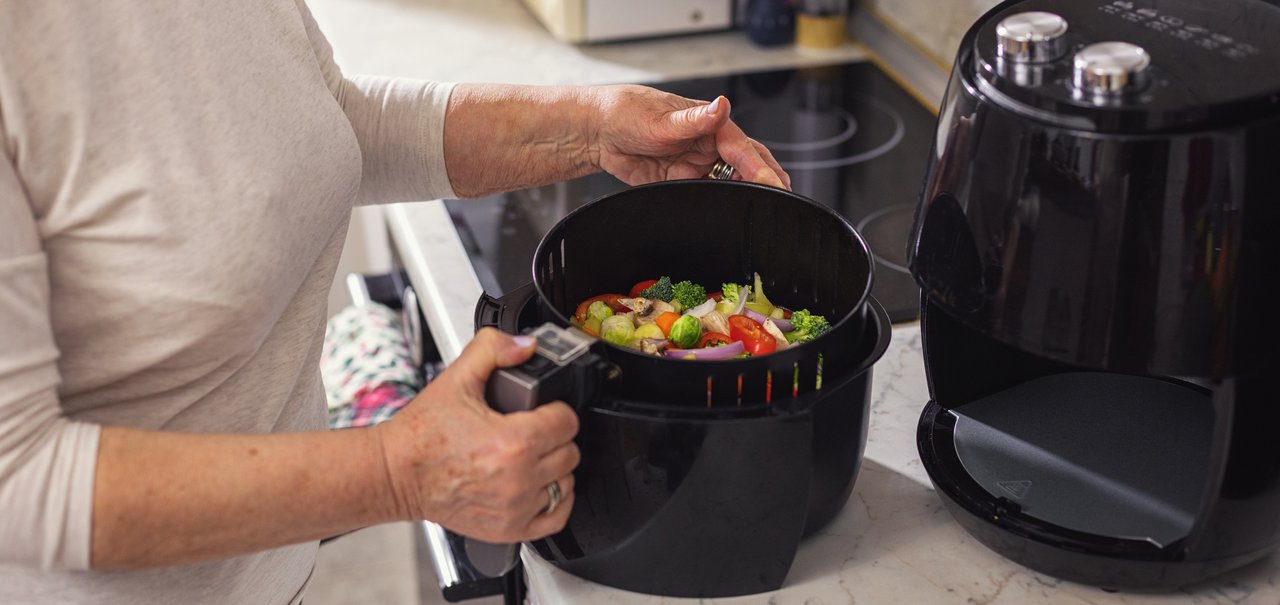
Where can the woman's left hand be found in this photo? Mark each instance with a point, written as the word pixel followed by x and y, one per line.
pixel 646 135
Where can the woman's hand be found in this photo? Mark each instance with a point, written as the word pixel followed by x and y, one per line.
pixel 647 135
pixel 502 137
pixel 454 461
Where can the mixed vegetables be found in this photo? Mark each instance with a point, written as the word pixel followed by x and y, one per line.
pixel 681 320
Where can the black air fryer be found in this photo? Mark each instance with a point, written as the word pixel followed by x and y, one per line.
pixel 1095 236
pixel 701 478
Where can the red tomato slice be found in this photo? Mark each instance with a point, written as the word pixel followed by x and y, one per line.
pixel 710 339
pixel 752 335
pixel 641 287
pixel 609 299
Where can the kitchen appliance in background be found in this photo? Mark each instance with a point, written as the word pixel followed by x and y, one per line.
pixel 586 21
pixel 1095 244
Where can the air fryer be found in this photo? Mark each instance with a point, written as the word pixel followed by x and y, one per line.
pixel 1093 241
pixel 701 478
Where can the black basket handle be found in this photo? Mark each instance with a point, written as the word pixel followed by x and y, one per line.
pixel 503 312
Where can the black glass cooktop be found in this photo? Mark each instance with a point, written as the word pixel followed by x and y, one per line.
pixel 850 137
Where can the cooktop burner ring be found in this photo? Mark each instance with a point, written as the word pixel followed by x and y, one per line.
pixel 899 131
pixel 850 129
pixel 884 215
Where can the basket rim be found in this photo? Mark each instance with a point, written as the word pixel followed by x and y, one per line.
pixel 862 248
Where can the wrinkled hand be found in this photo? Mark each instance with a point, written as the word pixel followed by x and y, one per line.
pixel 454 461
pixel 647 135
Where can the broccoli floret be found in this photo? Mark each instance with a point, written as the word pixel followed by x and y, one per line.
pixel 689 294
pixel 807 326
pixel 729 292
pixel 663 290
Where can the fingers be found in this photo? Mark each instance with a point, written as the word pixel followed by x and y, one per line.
pixel 491 349
pixel 558 462
pixel 700 120
pixel 745 155
pixel 546 427
pixel 767 156
pixel 544 524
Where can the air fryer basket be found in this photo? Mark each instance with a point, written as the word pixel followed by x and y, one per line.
pixel 678 457
pixel 712 232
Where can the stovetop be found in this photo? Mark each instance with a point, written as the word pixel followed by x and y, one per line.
pixel 849 136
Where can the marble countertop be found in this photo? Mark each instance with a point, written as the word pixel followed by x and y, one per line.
pixel 893 542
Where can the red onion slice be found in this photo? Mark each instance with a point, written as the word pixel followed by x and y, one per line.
pixel 783 324
pixel 728 351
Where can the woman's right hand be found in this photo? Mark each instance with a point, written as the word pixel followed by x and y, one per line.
pixel 453 460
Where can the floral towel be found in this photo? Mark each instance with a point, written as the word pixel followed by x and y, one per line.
pixel 366 367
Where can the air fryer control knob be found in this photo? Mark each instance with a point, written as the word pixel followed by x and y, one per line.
pixel 1031 37
pixel 1109 69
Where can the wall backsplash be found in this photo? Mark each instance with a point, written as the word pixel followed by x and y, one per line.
pixel 935 26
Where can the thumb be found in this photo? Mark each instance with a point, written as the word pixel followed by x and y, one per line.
pixel 491 349
pixel 699 120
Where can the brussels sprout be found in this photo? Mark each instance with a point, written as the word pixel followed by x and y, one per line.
pixel 617 329
pixel 685 332
pixel 649 330
pixel 599 310
pixel 592 326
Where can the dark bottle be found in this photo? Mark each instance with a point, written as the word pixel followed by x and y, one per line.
pixel 770 22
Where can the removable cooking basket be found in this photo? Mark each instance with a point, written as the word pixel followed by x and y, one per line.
pixel 712 232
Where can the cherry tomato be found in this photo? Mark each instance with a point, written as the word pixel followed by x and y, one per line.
pixel 609 299
pixel 716 296
pixel 713 339
pixel 641 287
pixel 752 335
pixel 665 320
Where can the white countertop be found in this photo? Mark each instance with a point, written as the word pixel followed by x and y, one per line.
pixel 893 542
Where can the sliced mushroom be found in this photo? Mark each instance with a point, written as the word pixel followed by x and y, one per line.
pixel 715 321
pixel 652 346
pixel 646 310
pixel 638 304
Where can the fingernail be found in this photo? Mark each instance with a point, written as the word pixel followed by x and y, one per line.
pixel 714 107
pixel 523 341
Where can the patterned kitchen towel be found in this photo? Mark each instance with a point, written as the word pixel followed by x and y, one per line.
pixel 366 366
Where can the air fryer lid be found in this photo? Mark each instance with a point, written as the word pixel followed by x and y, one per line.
pixel 713 232
pixel 1210 63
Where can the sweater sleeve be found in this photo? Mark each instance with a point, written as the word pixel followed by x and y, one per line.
pixel 47 461
pixel 399 124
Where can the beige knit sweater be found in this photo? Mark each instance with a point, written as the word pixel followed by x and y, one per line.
pixel 175 183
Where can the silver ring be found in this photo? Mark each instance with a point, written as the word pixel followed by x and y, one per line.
pixel 722 171
pixel 553 495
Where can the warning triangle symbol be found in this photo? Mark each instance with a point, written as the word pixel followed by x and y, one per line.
pixel 1017 489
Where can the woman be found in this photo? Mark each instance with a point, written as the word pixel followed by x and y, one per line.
pixel 175 187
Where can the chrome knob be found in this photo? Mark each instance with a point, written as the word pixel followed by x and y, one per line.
pixel 1110 68
pixel 1031 37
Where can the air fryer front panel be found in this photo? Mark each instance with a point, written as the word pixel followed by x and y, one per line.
pixel 1142 254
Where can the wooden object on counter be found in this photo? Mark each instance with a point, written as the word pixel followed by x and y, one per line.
pixel 821 24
